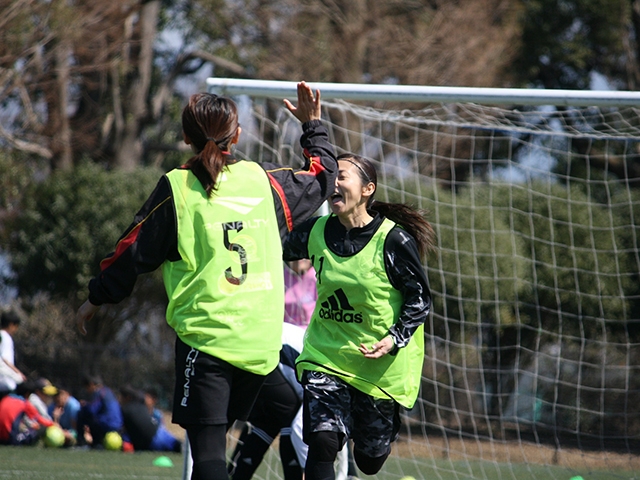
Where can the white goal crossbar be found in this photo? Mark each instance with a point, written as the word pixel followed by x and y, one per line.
pixel 418 93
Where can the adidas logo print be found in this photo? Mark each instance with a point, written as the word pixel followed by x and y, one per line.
pixel 338 308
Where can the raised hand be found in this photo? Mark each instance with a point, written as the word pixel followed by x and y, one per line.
pixel 308 104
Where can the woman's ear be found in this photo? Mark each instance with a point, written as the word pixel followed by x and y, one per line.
pixel 235 138
pixel 368 190
pixel 186 138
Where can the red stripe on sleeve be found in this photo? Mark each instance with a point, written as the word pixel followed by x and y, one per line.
pixel 122 246
pixel 283 199
pixel 315 165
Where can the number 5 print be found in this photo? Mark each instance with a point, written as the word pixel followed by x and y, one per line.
pixel 239 249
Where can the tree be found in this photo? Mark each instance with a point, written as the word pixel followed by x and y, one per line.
pixel 57 62
pixel 583 277
pixel 366 41
pixel 410 42
pixel 565 42
pixel 81 80
pixel 68 222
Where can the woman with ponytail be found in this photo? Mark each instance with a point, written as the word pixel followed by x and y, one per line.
pixel 215 226
pixel 364 347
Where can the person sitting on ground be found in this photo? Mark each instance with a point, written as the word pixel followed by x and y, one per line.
pixel 42 396
pixel 100 415
pixel 20 422
pixel 151 400
pixel 64 410
pixel 141 428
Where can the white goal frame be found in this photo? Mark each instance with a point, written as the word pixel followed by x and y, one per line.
pixel 374 119
pixel 426 94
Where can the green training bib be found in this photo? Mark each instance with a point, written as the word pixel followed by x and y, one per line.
pixel 226 294
pixel 357 304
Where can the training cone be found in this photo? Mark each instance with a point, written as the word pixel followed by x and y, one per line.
pixel 163 462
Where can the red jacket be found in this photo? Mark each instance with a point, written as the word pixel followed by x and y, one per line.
pixel 11 407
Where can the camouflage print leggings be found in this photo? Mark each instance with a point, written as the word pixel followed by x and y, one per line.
pixel 331 405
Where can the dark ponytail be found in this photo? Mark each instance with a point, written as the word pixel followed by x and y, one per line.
pixel 410 219
pixel 210 122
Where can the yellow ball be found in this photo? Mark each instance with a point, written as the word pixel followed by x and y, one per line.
pixel 408 477
pixel 112 441
pixel 53 437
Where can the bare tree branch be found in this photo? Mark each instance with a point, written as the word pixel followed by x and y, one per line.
pixel 24 146
pixel 165 90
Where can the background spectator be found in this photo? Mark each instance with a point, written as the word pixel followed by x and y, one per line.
pixel 100 415
pixel 10 375
pixel 301 294
pixel 141 428
pixel 42 396
pixel 151 400
pixel 64 410
pixel 20 422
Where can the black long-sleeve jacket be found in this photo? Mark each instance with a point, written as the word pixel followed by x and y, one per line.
pixel 152 238
pixel 401 260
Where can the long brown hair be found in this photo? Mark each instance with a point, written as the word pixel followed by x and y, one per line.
pixel 210 122
pixel 412 220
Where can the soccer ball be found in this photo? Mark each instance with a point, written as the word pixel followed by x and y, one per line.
pixel 112 441
pixel 53 437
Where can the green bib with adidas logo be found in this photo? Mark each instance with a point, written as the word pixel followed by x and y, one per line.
pixel 357 304
pixel 226 293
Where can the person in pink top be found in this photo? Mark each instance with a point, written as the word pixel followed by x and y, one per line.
pixel 301 294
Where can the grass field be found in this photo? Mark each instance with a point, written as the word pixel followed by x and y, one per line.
pixel 43 463
pixel 49 463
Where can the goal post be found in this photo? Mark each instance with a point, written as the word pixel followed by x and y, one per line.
pixel 426 94
pixel 532 364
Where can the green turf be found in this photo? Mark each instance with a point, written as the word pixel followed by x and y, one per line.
pixel 45 463
pixel 427 469
pixel 53 463
pixel 440 469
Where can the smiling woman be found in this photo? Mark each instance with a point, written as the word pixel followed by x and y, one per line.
pixel 364 348
pixel 354 188
pixel 353 200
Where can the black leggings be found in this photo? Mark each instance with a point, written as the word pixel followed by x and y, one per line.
pixel 208 445
pixel 323 450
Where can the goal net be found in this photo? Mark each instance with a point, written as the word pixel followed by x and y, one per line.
pixel 532 364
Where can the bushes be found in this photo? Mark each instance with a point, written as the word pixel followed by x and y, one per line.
pixel 65 225
pixel 70 221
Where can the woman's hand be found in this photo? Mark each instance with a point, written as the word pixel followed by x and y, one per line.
pixel 308 104
pixel 85 313
pixel 378 349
